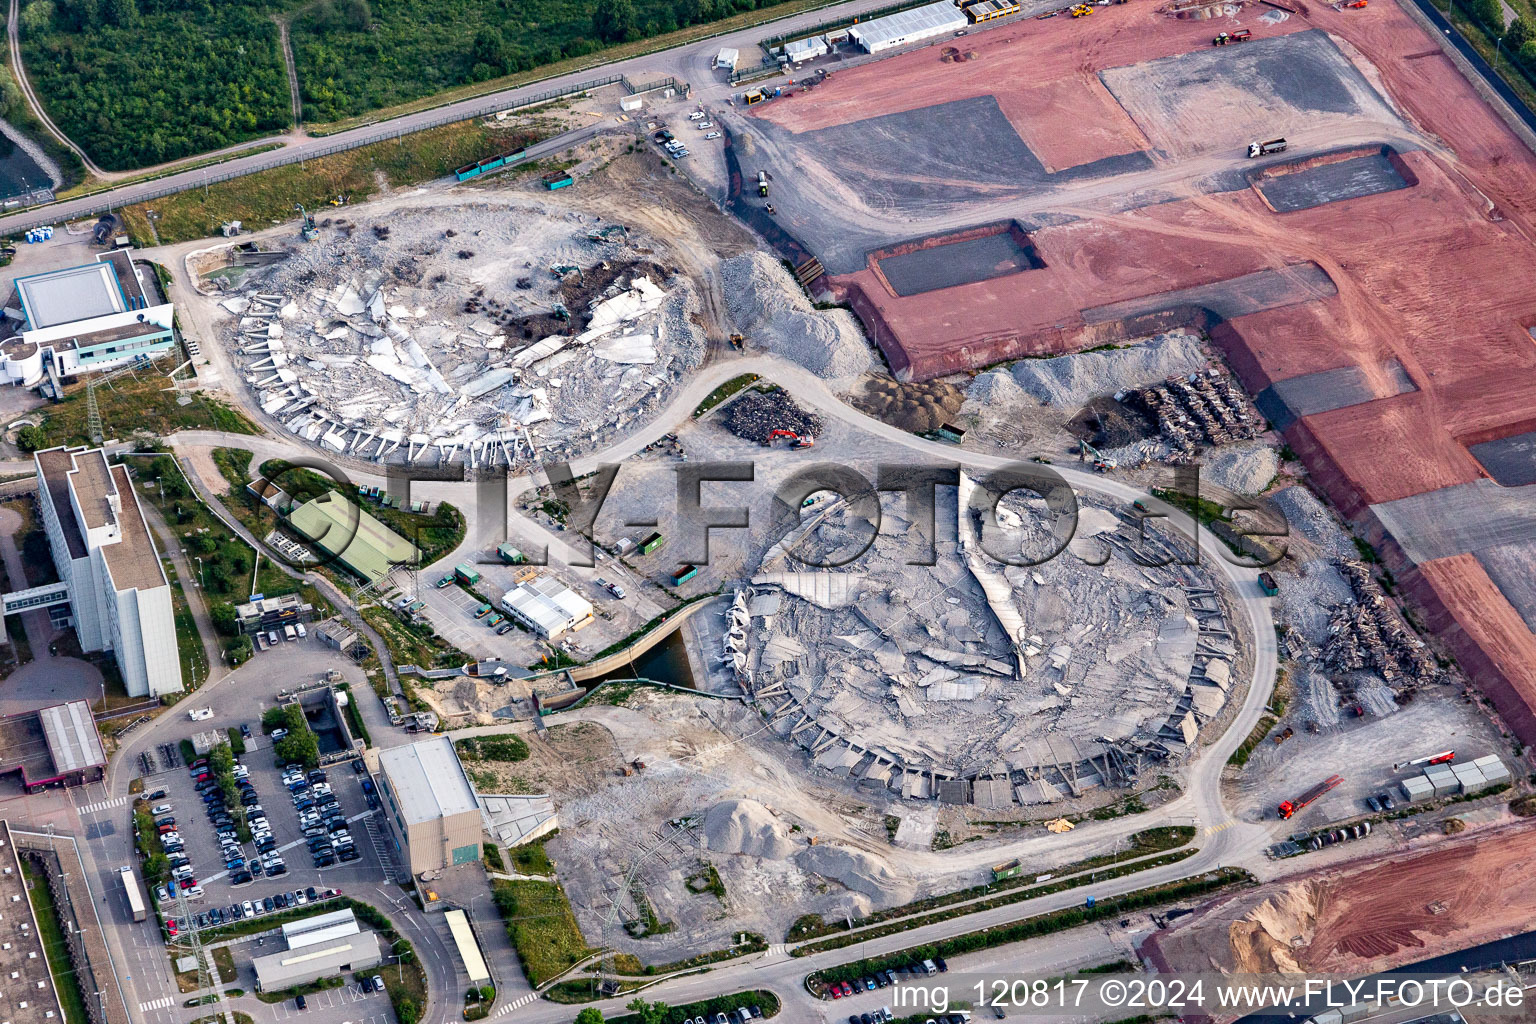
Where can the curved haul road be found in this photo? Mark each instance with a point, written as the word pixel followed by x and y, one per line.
pixel 1222 840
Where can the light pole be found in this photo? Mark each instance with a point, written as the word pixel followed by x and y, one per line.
pixel 200 581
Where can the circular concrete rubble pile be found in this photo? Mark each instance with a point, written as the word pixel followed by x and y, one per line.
pixel 972 669
pixel 771 309
pixel 466 334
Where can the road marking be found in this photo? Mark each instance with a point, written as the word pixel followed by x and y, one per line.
pixel 1222 827
pixel 522 1000
pixel 103 805
pixel 158 1004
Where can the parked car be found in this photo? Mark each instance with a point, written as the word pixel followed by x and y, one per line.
pixel 299 1002
pixel 713 135
pixel 162 809
pixel 1387 803
pixel 1373 803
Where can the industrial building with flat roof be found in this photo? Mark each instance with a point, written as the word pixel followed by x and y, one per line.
pixel 318 947
pixel 27 995
pixel 94 316
pixel 433 809
pixel 361 544
pixel 109 569
pixel 53 746
pixel 912 26
pixel 547 606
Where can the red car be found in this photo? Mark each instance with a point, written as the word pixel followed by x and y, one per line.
pixel 170 927
pixel 187 883
pixel 833 990
pixel 847 989
pixel 201 778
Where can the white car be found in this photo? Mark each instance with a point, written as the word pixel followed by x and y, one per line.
pixel 160 809
pixel 200 714
pixel 704 125
pixel 713 135
pixel 697 115
pixel 278 734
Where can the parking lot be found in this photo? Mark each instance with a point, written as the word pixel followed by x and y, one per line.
pixel 370 1008
pixel 207 855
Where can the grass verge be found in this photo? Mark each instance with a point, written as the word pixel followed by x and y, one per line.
pixel 760 998
pixel 1147 841
pixel 724 391
pixel 1032 927
pixel 542 927
pixel 50 931
pixel 1003 900
pixel 1245 749
pixel 268 197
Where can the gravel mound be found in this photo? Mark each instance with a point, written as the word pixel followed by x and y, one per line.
pixel 1246 467
pixel 1074 380
pixel 746 826
pixel 1309 517
pixel 771 309
pixel 1308 596
pixel 994 394
pixel 856 870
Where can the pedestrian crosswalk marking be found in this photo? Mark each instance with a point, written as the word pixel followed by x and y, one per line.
pixel 1222 827
pixel 522 1000
pixel 158 1004
pixel 104 805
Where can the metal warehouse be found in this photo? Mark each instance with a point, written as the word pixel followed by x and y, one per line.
pixel 909 26
pixel 547 606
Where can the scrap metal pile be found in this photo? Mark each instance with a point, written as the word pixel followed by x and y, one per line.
pixel 1369 633
pixel 757 414
pixel 1201 409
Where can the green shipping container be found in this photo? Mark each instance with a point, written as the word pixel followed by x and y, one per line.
pixel 466 573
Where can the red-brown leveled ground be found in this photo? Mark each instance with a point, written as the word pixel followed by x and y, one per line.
pixel 1436 277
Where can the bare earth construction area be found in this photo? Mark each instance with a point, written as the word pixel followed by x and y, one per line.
pixel 1365 284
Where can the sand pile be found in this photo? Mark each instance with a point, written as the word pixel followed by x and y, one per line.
pixel 746 826
pixel 1264 939
pixel 915 407
pixel 770 308
pixel 856 870
pixel 1247 467
pixel 1074 380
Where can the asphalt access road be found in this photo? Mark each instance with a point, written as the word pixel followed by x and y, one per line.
pixel 689 62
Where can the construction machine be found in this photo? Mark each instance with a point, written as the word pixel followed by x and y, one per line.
pixel 563 271
pixel 738 342
pixel 799 440
pixel 1101 462
pixel 1242 35
pixel 762 183
pixel 1444 757
pixel 1081 11
pixel 1256 149
pixel 307 229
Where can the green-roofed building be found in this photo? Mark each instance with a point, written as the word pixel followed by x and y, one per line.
pixel 368 548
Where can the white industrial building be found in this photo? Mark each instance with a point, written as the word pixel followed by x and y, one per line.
pixel 109 569
pixel 318 947
pixel 547 606
pixel 912 26
pixel 806 49
pixel 91 317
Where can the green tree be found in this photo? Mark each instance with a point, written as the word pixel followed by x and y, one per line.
pixel 239 650
pixel 1490 13
pixel 30 438
pixel 224 619
pixel 1517 35
pixel 649 1013
pixel 489 48
pixel 591 1015
pixel 613 21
